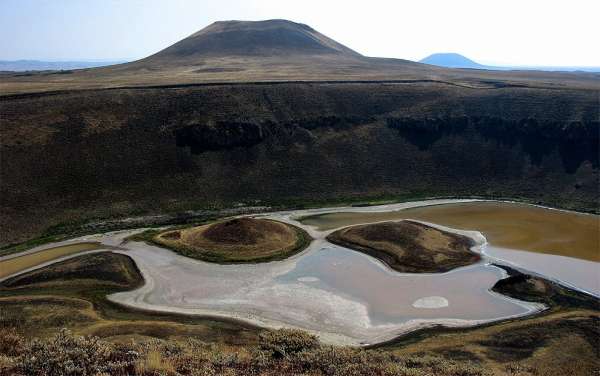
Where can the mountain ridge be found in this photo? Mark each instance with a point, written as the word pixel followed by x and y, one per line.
pixel 451 60
pixel 273 51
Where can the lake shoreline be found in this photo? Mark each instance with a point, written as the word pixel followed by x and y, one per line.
pixel 192 217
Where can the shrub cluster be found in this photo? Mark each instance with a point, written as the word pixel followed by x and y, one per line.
pixel 282 352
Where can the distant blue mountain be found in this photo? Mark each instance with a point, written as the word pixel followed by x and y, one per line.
pixel 451 60
pixel 454 60
pixel 37 65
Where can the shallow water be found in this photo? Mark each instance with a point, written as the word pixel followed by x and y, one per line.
pixel 327 289
pixel 390 296
pixel 13 265
pixel 560 245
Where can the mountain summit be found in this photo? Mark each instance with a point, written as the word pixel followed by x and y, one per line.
pixel 254 38
pixel 262 50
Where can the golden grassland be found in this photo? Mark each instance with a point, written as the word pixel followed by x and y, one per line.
pixel 248 69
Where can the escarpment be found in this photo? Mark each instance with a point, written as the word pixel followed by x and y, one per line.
pixel 74 156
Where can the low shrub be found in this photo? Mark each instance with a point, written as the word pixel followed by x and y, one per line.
pixel 285 342
pixel 11 342
pixel 279 352
pixel 69 355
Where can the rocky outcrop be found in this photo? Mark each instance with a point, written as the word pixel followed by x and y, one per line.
pixel 219 135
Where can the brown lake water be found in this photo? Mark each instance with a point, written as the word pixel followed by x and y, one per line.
pixel 507 225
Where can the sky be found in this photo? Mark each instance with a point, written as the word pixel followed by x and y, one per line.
pixel 507 32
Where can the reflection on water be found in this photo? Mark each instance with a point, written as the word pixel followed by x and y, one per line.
pixel 508 225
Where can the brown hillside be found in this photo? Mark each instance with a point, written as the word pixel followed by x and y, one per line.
pixel 220 118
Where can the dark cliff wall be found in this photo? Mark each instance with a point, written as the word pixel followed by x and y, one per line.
pixel 575 141
pixel 74 156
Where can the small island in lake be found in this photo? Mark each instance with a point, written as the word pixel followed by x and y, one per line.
pixel 238 240
pixel 408 247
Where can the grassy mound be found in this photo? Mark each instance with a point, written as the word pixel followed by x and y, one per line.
pixel 408 246
pixel 238 240
pixel 101 268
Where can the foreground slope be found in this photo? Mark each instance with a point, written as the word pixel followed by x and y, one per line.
pixel 71 294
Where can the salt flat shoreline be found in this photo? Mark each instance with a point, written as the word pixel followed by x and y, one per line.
pixel 134 298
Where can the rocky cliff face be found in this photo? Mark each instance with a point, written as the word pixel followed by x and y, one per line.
pixel 576 142
pixel 74 156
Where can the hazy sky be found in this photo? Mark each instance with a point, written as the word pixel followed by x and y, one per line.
pixel 518 32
